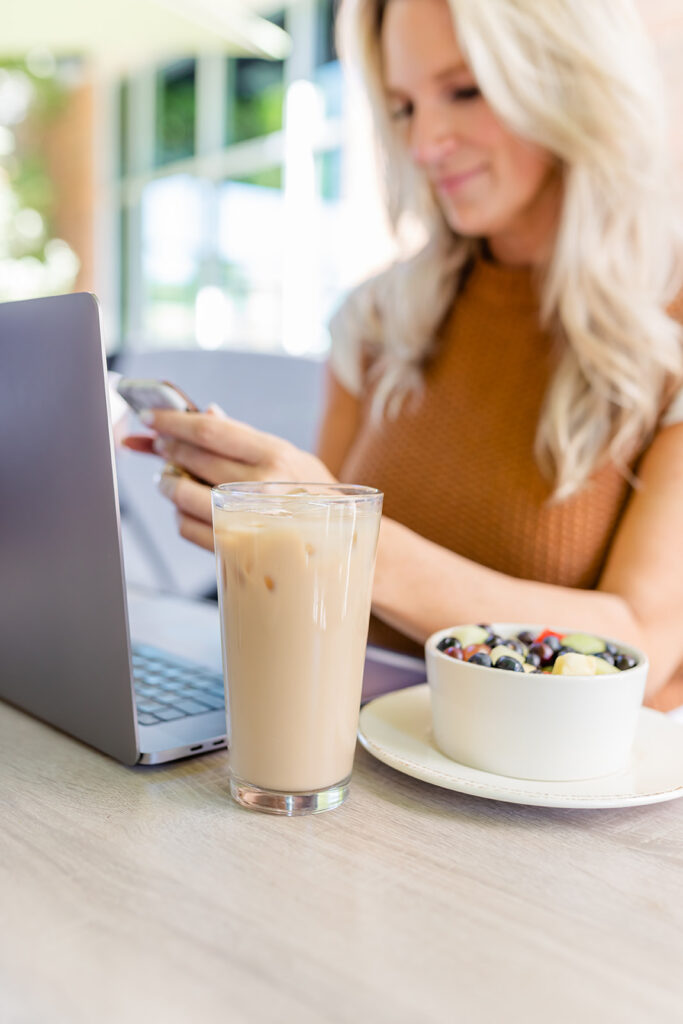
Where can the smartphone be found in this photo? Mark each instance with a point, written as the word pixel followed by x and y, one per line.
pixel 157 394
pixel 154 394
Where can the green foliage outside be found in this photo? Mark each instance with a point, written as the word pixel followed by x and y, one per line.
pixel 258 115
pixel 176 104
pixel 32 261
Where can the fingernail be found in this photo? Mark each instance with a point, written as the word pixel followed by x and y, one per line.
pixel 146 417
pixel 167 484
pixel 159 446
pixel 215 410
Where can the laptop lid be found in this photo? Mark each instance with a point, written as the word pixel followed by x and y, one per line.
pixel 64 641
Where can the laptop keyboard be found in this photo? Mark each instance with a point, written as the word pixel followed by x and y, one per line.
pixel 167 687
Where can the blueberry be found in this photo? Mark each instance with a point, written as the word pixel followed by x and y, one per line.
pixel 514 645
pixel 480 658
pixel 526 637
pixel 544 651
pixel 511 664
pixel 624 662
pixel 495 641
pixel 534 659
pixel 564 650
pixel 553 642
pixel 606 656
pixel 448 641
pixel 611 649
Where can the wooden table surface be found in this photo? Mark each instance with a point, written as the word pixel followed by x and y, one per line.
pixel 131 894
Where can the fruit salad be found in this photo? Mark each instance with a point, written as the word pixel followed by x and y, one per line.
pixel 563 654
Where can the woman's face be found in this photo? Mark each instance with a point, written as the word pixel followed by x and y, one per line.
pixel 489 183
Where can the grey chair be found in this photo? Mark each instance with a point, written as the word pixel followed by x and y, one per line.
pixel 276 393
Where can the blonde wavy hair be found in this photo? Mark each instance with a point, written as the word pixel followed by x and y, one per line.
pixel 578 78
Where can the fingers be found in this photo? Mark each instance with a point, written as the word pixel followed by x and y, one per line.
pixel 195 531
pixel 190 498
pixel 145 442
pixel 202 463
pixel 216 433
pixel 138 443
pixel 215 410
pixel 193 505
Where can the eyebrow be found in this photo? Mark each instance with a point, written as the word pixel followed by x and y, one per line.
pixel 438 77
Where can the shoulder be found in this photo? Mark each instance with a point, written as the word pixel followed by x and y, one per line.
pixel 394 316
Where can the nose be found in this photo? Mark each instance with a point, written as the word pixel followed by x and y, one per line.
pixel 432 137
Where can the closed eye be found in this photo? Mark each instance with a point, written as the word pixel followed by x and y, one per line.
pixel 470 92
pixel 463 94
pixel 399 113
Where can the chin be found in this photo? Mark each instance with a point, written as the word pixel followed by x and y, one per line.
pixel 468 220
pixel 468 227
pixel 473 221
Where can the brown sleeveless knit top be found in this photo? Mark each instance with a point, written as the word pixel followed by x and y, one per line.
pixel 458 466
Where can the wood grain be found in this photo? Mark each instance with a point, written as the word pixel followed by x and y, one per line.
pixel 144 893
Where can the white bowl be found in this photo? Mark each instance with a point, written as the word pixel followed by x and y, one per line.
pixel 531 726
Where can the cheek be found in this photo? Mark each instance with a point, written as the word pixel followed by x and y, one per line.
pixel 489 132
pixel 518 167
pixel 521 170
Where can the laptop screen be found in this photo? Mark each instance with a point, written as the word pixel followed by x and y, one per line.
pixel 63 616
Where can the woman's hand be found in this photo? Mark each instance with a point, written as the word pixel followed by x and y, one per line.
pixel 217 450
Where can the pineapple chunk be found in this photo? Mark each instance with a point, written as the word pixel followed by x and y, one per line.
pixel 574 665
pixel 501 651
pixel 582 665
pixel 468 635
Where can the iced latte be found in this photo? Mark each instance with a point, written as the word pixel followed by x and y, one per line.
pixel 295 566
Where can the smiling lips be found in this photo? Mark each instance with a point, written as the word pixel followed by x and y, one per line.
pixel 454 182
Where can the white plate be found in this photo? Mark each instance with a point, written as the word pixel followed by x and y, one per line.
pixel 396 729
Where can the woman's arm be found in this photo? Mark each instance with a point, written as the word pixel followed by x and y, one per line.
pixel 420 587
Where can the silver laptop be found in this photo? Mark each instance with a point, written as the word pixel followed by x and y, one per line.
pixel 64 634
pixel 65 650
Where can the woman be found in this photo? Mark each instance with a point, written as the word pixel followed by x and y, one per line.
pixel 505 384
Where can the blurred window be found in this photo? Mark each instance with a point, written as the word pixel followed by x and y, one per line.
pixel 125 275
pixel 326 49
pixel 239 245
pixel 175 112
pixel 251 249
pixel 172 220
pixel 328 178
pixel 256 91
pixel 329 167
pixel 328 75
pixel 122 134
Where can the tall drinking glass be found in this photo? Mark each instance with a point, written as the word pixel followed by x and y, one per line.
pixel 295 564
